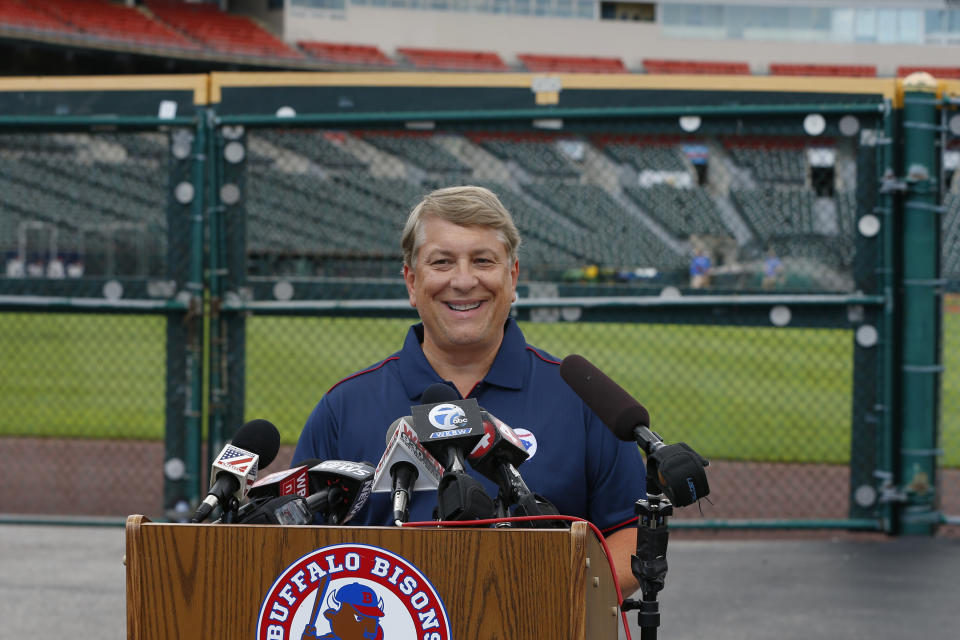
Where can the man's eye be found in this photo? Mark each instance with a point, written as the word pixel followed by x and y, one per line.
pixel 357 617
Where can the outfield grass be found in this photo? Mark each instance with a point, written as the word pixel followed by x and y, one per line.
pixel 732 392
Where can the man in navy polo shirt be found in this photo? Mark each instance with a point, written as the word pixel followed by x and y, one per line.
pixel 460 267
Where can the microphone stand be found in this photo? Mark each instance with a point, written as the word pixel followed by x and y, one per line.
pixel 649 566
pixel 231 511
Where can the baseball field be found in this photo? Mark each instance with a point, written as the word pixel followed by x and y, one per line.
pixel 759 394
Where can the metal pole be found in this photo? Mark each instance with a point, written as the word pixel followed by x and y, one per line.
pixel 919 353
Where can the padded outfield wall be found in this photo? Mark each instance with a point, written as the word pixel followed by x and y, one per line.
pixel 179 259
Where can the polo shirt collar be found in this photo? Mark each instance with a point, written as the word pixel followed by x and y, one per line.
pixel 509 367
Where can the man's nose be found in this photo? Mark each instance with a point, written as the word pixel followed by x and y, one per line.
pixel 464 278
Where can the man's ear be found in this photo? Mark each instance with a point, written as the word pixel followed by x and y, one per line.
pixel 409 278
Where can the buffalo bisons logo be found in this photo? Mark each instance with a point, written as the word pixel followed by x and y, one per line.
pixel 352 592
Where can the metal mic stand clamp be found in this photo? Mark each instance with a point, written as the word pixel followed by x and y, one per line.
pixel 649 566
pixel 231 511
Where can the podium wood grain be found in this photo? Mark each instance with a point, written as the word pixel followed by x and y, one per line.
pixel 207 581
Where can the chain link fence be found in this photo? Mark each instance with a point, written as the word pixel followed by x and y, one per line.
pixel 640 213
pixel 727 269
pixel 94 257
pixel 949 442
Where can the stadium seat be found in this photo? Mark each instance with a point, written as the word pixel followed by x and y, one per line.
pixel 538 63
pixel 419 150
pixel 772 159
pixel 937 72
pixel 843 70
pixel 454 60
pixel 117 22
pixel 712 67
pixel 224 32
pixel 353 54
pixel 17 13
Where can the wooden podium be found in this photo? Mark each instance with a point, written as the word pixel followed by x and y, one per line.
pixel 209 581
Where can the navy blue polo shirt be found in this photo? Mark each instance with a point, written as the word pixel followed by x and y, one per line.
pixel 575 461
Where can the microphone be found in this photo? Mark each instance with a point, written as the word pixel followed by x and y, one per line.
pixel 496 457
pixel 234 470
pixel 341 489
pixel 675 469
pixel 295 481
pixel 289 509
pixel 448 427
pixel 405 466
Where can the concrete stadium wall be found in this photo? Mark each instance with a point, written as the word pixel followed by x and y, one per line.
pixel 631 41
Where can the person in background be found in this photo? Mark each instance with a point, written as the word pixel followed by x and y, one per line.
pixel 772 270
pixel 700 269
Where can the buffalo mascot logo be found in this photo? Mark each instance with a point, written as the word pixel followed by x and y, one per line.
pixel 352 592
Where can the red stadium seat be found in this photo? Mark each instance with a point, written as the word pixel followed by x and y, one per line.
pixel 711 67
pixel 16 13
pixel 452 59
pixel 952 73
pixel 842 70
pixel 357 54
pixel 116 22
pixel 538 63
pixel 224 32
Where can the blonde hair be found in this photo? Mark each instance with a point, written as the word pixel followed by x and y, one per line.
pixel 467 206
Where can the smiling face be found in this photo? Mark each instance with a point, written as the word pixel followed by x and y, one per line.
pixel 462 284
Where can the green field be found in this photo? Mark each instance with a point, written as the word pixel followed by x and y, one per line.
pixel 732 392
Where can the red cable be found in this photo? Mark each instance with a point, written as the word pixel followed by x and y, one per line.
pixel 489 521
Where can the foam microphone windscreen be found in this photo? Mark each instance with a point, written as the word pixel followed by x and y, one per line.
pixel 260 437
pixel 613 405
pixel 439 392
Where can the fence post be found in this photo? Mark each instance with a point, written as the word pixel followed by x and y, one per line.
pixel 920 285
pixel 182 456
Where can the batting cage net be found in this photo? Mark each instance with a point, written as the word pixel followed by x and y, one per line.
pixel 732 256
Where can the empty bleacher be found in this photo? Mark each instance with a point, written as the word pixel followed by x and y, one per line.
pixel 697 67
pixel 19 13
pixel 951 73
pixel 347 54
pixel 776 210
pixel 642 155
pixel 222 31
pixel 842 70
pixel 313 145
pixel 536 156
pixel 308 213
pixel 117 22
pixel 540 63
pixel 453 59
pixel 681 211
pixel 610 235
pixel 419 150
pixel 772 160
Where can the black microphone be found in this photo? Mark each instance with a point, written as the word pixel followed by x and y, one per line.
pixel 341 489
pixel 289 509
pixel 406 466
pixel 496 457
pixel 448 427
pixel 234 471
pixel 675 469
